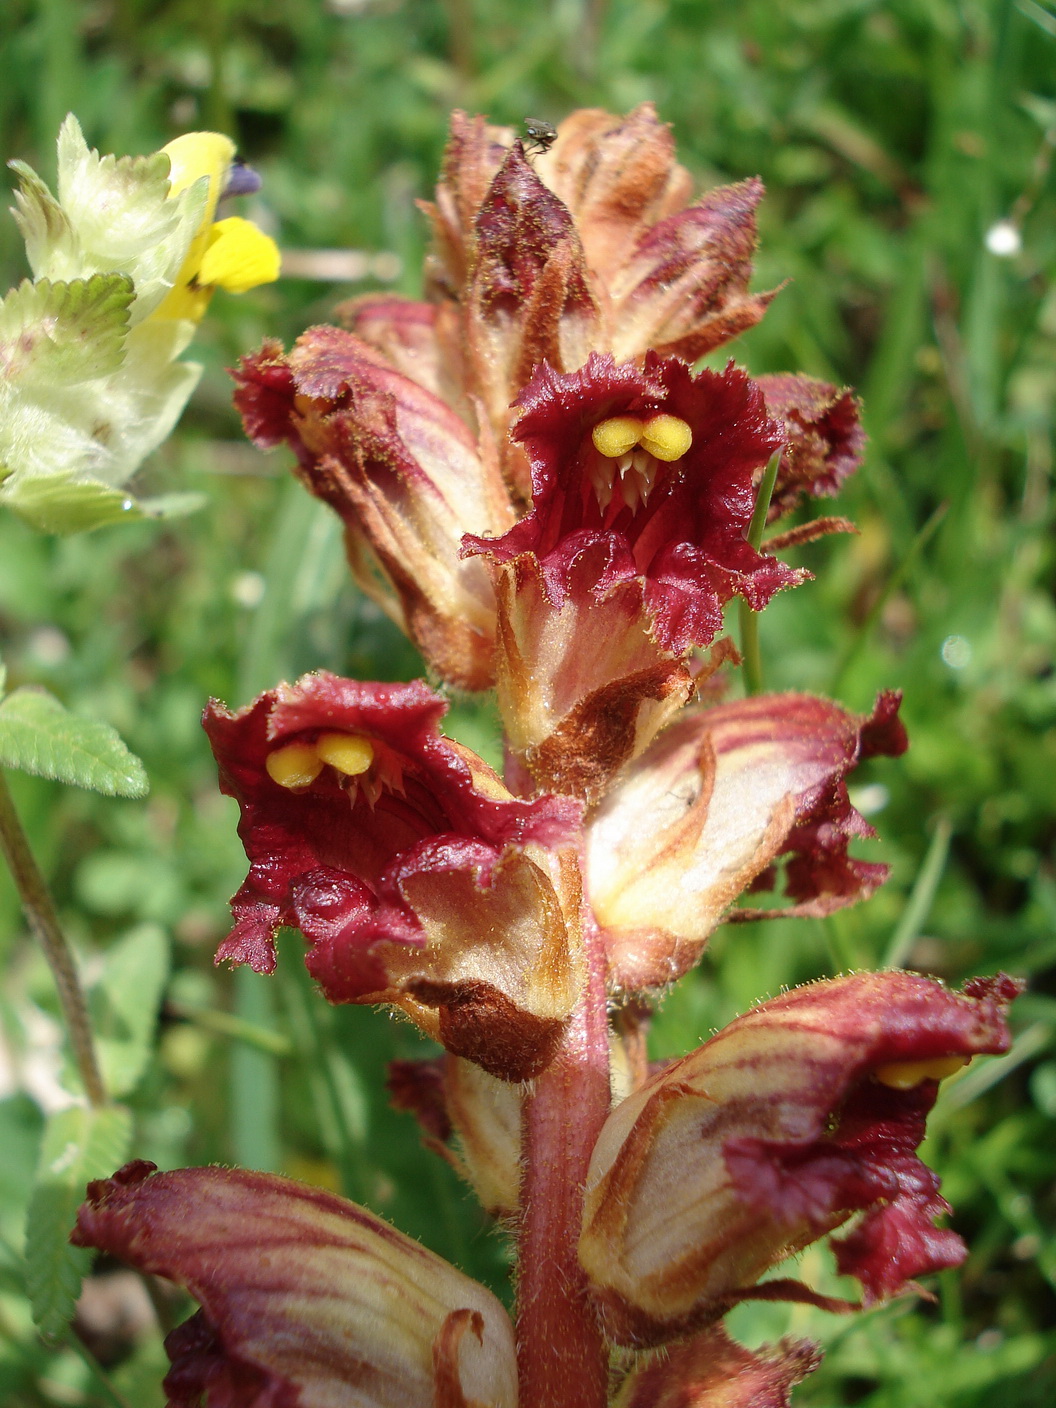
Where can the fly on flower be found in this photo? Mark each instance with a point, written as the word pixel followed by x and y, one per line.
pixel 541 134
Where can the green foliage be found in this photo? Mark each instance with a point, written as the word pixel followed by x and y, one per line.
pixel 79 1144
pixel 39 736
pixel 891 138
pixel 124 1005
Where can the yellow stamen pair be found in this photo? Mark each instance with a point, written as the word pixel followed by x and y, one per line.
pixel 231 253
pixel 629 449
pixel 665 437
pixel 297 765
pixel 904 1075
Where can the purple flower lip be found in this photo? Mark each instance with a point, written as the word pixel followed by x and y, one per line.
pixel 242 180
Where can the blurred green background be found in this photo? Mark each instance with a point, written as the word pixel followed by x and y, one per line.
pixel 906 147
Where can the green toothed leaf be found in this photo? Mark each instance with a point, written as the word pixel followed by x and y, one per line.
pixel 58 333
pixel 124 1005
pixel 42 221
pixel 79 1145
pixel 38 735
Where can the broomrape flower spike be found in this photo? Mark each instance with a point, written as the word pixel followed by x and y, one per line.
pixel 543 495
pixel 125 260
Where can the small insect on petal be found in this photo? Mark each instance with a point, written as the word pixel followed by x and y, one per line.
pixel 295 766
pixel 617 435
pixel 904 1075
pixel 666 437
pixel 540 135
pixel 349 753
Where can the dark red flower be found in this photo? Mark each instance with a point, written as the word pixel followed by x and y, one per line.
pixel 799 1114
pixel 677 525
pixel 643 490
pixel 707 809
pixel 307 1300
pixel 404 862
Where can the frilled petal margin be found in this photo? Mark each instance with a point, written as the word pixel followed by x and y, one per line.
pixel 824 438
pixel 626 558
pixel 307 1301
pixel 710 805
pixel 675 526
pixel 400 856
pixel 799 1114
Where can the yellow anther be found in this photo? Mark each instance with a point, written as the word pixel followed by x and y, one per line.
pixel 904 1075
pixel 617 435
pixel 666 437
pixel 295 766
pixel 349 753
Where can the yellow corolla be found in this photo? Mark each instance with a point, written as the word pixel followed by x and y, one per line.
pixel 232 253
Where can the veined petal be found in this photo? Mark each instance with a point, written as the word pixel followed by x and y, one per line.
pixel 422 341
pixel 601 249
pixel 684 291
pixel 406 476
pixel 306 1299
pixel 773 1134
pixel 704 812
pixel 527 299
pixel 453 1098
pixel 415 876
pixel 618 177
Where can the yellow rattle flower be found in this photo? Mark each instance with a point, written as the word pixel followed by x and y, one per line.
pixel 231 253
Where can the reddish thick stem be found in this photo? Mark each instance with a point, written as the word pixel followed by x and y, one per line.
pixel 562 1360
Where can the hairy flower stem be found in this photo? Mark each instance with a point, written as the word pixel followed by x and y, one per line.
pixel 40 913
pixel 753 663
pixel 562 1361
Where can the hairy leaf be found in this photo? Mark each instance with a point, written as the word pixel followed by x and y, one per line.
pixel 79 1144
pixel 52 334
pixel 38 735
pixel 53 503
